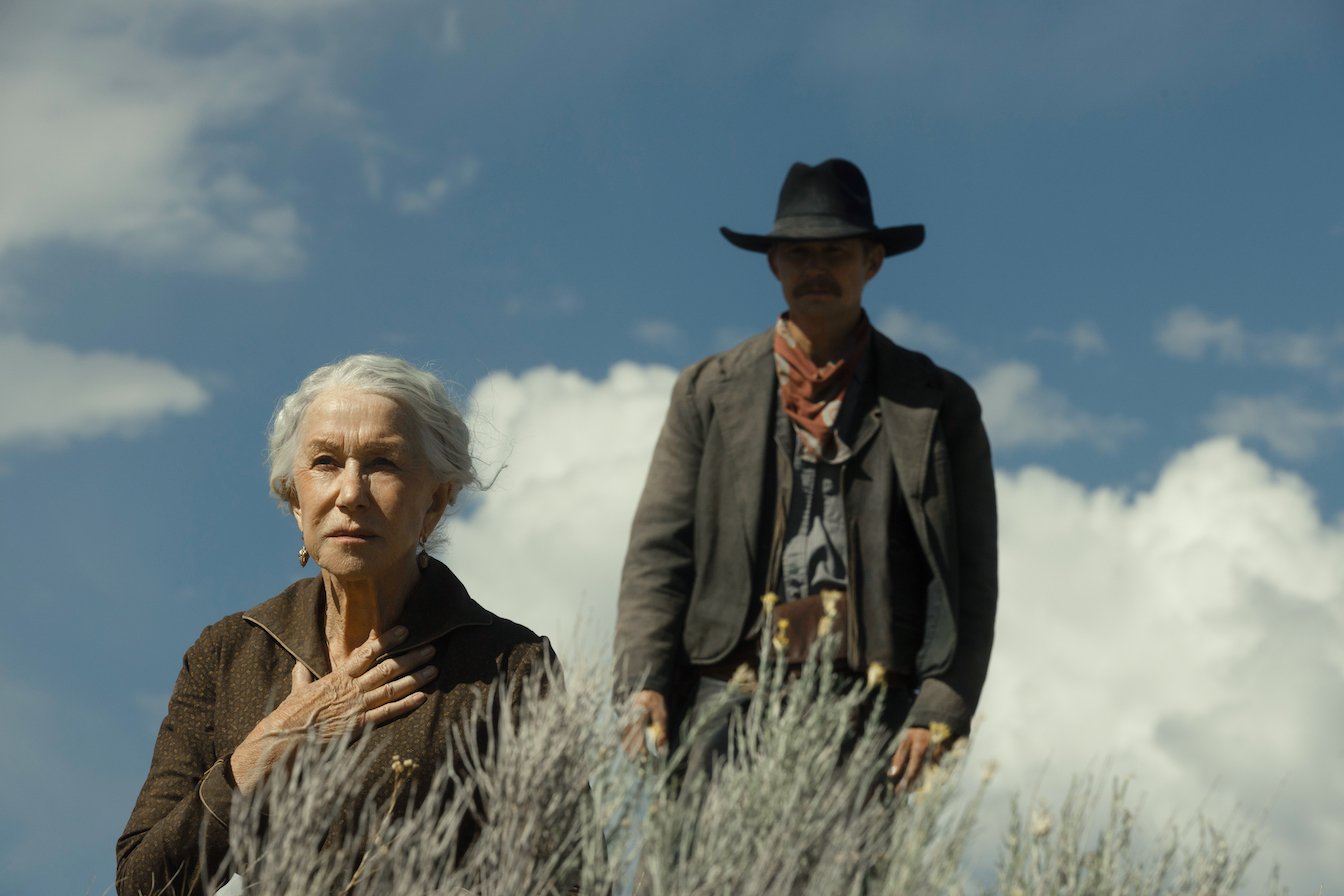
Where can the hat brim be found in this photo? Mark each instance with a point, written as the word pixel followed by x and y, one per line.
pixel 893 240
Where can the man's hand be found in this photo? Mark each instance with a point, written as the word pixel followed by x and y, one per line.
pixel 917 747
pixel 647 721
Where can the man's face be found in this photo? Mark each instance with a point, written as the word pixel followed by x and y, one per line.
pixel 824 279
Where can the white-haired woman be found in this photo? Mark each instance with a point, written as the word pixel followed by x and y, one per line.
pixel 367 454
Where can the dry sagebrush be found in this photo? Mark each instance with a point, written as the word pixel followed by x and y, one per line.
pixel 798 807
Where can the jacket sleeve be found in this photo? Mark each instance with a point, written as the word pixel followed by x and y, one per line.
pixel 951 696
pixel 181 815
pixel 529 668
pixel 659 572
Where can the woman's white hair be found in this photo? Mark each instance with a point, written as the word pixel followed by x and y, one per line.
pixel 444 436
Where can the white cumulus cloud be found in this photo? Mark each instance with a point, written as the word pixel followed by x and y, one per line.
pixel 50 393
pixel 116 138
pixel 657 333
pixel 1020 410
pixel 1084 338
pixel 429 196
pixel 545 543
pixel 1191 634
pixel 1192 335
pixel 916 333
pixel 1290 428
pixel 559 302
pixel 450 34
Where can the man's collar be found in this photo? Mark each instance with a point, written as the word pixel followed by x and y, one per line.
pixel 436 605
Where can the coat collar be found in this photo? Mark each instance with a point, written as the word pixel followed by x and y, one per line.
pixel 746 374
pixel 909 394
pixel 437 605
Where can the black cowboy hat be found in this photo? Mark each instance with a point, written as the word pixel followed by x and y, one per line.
pixel 827 202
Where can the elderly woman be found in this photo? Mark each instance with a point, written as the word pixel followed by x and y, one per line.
pixel 367 455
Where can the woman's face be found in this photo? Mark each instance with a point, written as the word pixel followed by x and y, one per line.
pixel 364 495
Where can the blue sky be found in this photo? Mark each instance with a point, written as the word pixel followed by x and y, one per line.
pixel 1135 251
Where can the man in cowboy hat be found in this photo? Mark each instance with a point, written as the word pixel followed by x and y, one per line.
pixel 821 463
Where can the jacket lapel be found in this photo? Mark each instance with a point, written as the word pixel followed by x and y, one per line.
pixel 745 422
pixel 293 618
pixel 909 399
pixel 438 605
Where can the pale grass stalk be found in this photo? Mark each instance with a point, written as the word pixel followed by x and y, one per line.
pixel 799 806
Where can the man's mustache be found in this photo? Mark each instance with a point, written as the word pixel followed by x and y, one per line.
pixel 818 284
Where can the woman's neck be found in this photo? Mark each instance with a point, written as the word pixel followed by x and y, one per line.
pixel 356 607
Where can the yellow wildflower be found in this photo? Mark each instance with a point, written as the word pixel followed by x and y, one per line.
pixel 877 674
pixel 781 638
pixel 655 734
pixel 743 681
pixel 768 600
pixel 939 732
pixel 933 777
pixel 1041 822
pixel 830 601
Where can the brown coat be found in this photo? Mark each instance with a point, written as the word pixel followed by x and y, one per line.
pixel 240 668
pixel 920 489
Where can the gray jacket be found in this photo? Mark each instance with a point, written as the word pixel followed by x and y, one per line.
pixel 700 542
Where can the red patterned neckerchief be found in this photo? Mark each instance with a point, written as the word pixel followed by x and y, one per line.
pixel 812 395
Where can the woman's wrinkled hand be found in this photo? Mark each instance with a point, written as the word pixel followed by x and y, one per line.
pixel 359 693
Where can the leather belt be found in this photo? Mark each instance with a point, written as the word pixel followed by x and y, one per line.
pixel 747 653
